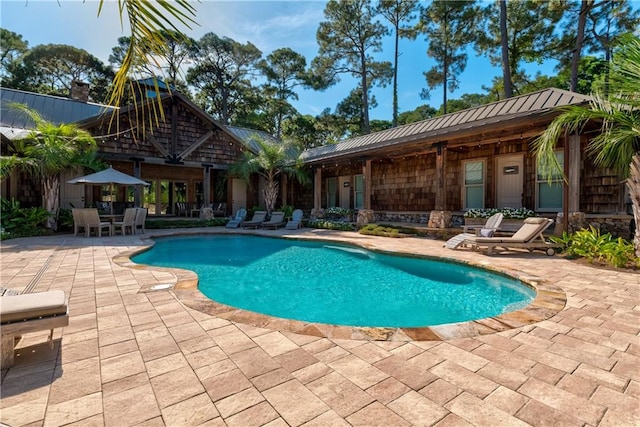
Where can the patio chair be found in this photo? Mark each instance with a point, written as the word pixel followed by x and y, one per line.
pixel 141 219
pixel 33 312
pixel 529 236
pixel 78 220
pixel 296 220
pixel 92 220
pixel 220 209
pixel 276 220
pixel 238 219
pixel 128 222
pixel 487 230
pixel 256 221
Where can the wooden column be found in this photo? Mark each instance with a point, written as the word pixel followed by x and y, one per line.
pixel 137 189
pixel 366 172
pixel 441 201
pixel 206 185
pixel 317 188
pixel 574 172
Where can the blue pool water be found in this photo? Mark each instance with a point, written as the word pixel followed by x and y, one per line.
pixel 337 284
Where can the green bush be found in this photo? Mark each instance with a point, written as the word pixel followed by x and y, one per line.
pixel 159 224
pixel 21 222
pixel 65 219
pixel 386 231
pixel 331 225
pixel 598 248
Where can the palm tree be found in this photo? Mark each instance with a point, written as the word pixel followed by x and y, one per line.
pixel 45 153
pixel 270 162
pixel 618 144
pixel 153 25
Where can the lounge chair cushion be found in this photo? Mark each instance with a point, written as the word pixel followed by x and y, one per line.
pixel 17 308
pixel 487 232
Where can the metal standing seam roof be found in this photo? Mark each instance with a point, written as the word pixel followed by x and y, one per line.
pixel 250 136
pixel 54 109
pixel 534 103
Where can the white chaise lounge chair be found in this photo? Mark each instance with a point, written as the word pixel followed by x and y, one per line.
pixel 21 314
pixel 529 236
pixel 487 230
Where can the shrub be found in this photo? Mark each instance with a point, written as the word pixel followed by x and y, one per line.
pixel 331 225
pixel 21 222
pixel 598 248
pixel 386 231
pixel 184 223
pixel 508 213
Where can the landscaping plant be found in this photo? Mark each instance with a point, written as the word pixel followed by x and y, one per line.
pixel 595 247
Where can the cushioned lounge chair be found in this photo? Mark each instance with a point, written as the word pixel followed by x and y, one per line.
pixel 20 314
pixel 296 220
pixel 487 230
pixel 258 218
pixel 276 220
pixel 530 236
pixel 238 219
pixel 219 209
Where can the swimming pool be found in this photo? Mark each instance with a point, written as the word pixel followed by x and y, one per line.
pixel 337 284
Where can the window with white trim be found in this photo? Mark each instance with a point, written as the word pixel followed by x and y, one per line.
pixel 549 193
pixel 473 185
pixel 358 191
pixel 332 192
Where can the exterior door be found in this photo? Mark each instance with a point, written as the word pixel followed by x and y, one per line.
pixel 71 195
pixel 344 184
pixel 238 194
pixel 509 181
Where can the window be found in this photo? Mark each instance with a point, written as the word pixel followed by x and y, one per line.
pixel 358 191
pixel 332 192
pixel 549 192
pixel 474 185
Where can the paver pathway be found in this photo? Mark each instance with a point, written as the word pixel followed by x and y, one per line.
pixel 132 356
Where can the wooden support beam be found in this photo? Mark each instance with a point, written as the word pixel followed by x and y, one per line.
pixel 317 189
pixel 366 171
pixel 193 147
pixel 163 151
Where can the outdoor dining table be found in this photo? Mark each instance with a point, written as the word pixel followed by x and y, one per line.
pixel 112 218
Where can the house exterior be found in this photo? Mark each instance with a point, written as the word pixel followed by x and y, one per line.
pixel 429 172
pixel 434 170
pixel 184 157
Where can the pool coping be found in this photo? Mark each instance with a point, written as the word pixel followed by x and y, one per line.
pixel 549 300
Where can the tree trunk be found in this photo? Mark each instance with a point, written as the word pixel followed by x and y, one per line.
pixel 365 96
pixel 633 183
pixel 506 71
pixel 51 199
pixel 577 52
pixel 270 193
pixel 394 121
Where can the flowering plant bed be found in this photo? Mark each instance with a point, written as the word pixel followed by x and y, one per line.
pixel 507 213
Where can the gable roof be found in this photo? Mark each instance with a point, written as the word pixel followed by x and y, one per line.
pixel 58 110
pixel 531 104
pixel 248 136
pixel 54 109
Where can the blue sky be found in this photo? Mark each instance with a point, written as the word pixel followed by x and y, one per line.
pixel 267 24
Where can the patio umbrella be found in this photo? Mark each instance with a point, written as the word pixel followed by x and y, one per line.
pixel 110 177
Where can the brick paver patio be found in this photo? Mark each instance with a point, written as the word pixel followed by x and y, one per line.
pixel 136 356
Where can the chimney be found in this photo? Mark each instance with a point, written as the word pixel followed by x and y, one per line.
pixel 79 91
